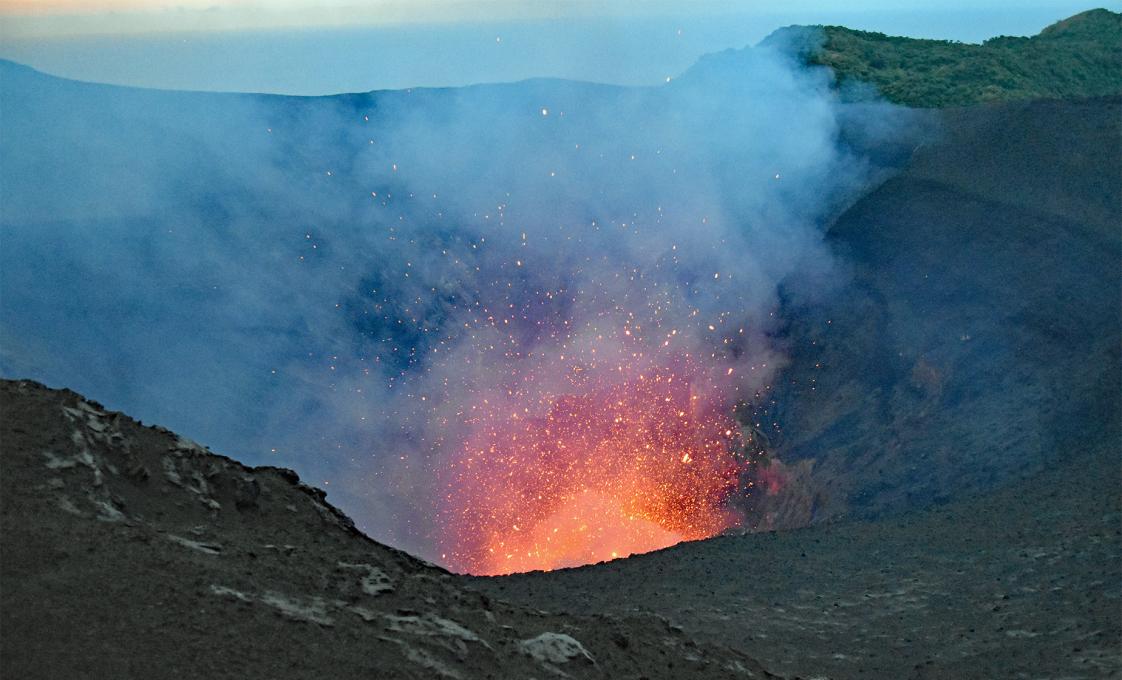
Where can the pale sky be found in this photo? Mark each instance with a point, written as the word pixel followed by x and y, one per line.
pixel 52 18
pixel 55 18
pixel 309 47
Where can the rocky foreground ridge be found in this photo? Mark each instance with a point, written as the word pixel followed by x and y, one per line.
pixel 128 551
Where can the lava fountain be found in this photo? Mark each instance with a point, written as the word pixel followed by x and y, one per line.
pixel 570 301
pixel 630 467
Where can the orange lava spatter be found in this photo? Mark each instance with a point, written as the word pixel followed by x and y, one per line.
pixel 627 468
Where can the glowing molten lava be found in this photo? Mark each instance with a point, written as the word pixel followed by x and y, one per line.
pixel 624 469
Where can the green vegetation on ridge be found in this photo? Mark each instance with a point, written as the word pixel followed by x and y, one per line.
pixel 1078 57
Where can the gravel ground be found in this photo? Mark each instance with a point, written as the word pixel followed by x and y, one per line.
pixel 129 552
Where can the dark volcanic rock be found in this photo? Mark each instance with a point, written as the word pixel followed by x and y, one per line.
pixel 978 339
pixel 1022 583
pixel 130 552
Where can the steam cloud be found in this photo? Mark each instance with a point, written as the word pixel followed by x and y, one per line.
pixel 333 284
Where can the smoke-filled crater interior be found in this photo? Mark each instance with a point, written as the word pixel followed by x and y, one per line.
pixel 511 327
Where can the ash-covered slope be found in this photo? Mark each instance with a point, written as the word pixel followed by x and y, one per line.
pixel 129 552
pixel 1022 583
pixel 978 339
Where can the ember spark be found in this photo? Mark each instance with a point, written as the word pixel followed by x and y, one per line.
pixel 628 468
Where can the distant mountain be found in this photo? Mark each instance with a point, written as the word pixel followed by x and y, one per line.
pixel 1078 57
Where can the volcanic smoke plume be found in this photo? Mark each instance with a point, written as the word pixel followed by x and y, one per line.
pixel 506 326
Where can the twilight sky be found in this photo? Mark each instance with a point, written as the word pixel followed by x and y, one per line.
pixel 306 47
